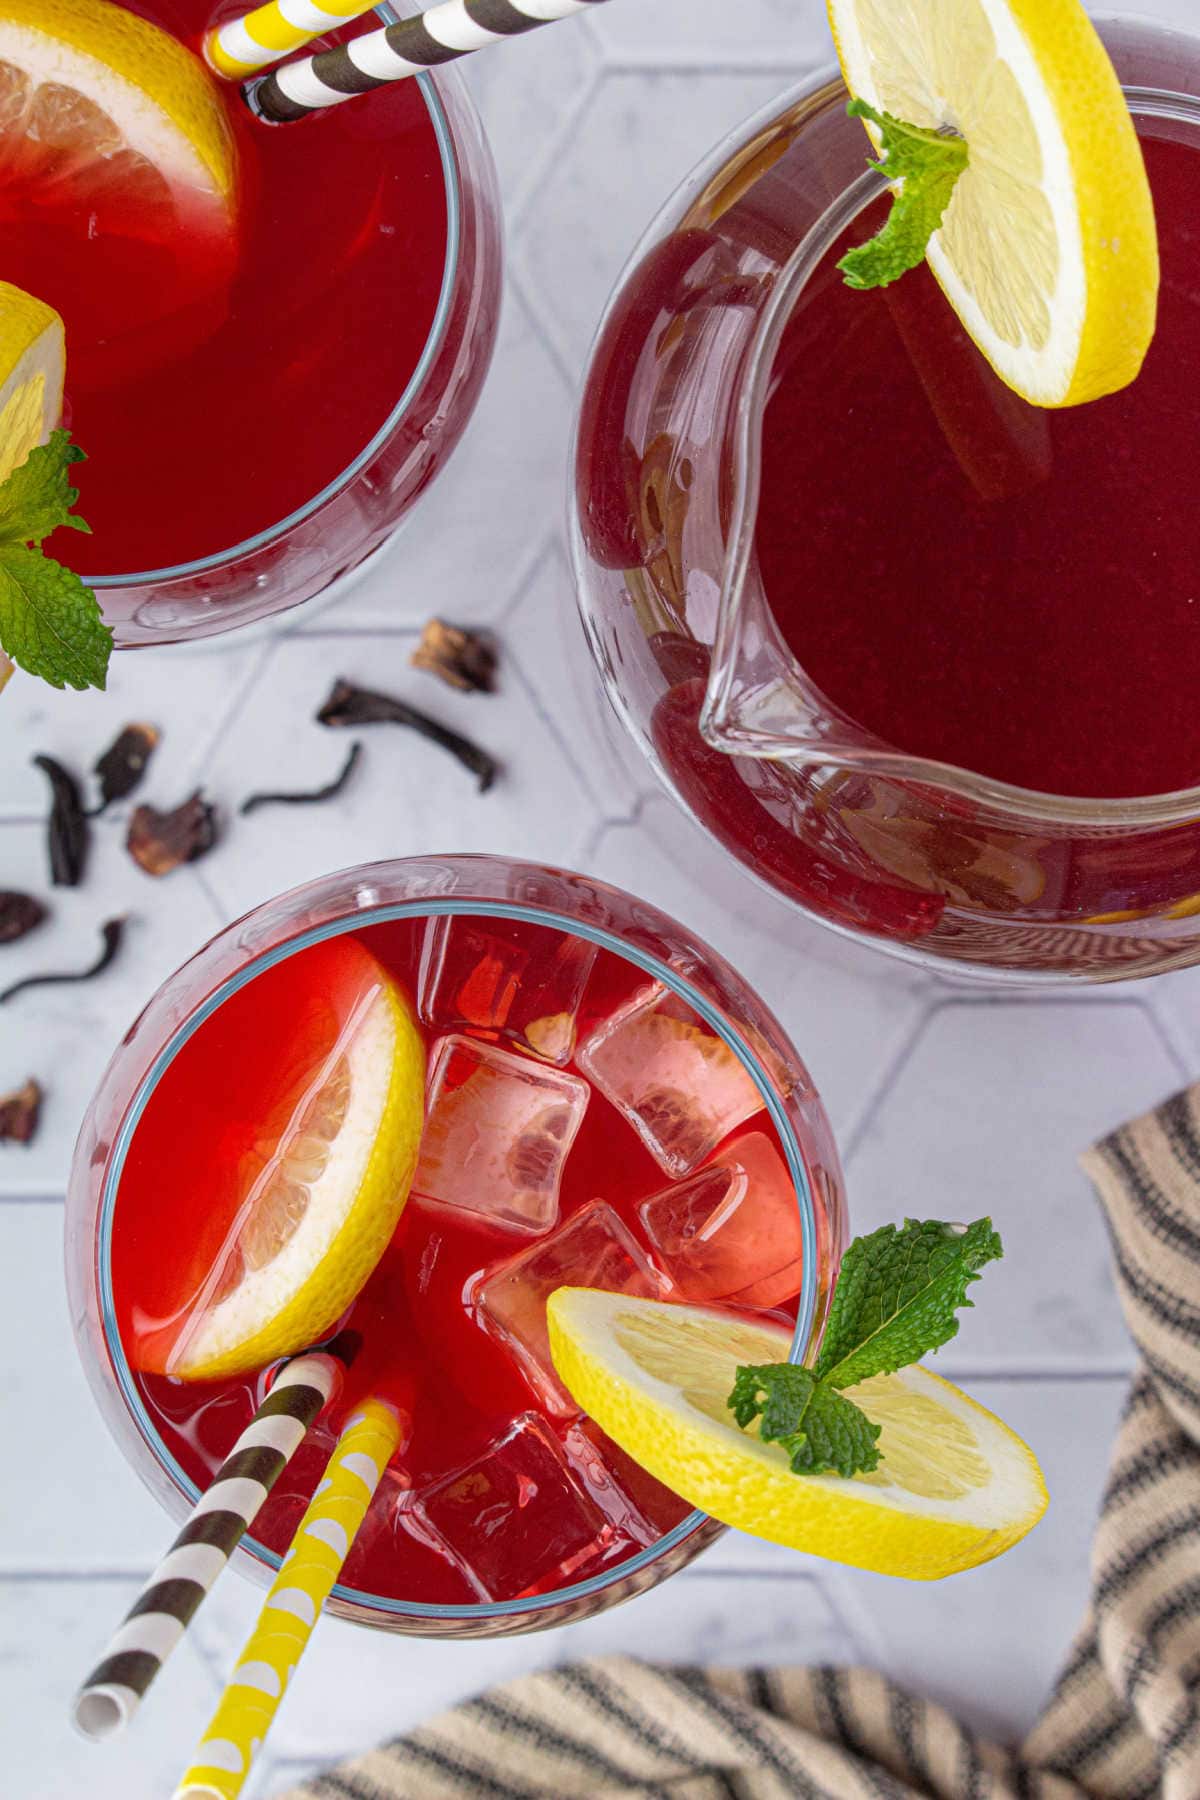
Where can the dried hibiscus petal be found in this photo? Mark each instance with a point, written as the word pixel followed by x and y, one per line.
pixel 307 796
pixel 124 763
pixel 67 828
pixel 350 705
pixel 19 915
pixel 19 1113
pixel 111 933
pixel 462 659
pixel 161 841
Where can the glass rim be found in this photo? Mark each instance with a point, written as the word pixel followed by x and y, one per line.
pixel 444 136
pixel 433 907
pixel 1141 810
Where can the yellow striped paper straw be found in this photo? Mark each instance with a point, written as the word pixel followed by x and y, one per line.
pixel 321 1545
pixel 241 46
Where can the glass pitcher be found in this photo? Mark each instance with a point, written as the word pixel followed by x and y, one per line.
pixel 932 862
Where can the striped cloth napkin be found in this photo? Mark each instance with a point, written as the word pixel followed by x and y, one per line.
pixel 1122 1722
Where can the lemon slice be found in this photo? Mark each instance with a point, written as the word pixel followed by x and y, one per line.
pixel 32 365
pixel 96 97
pixel 955 1487
pixel 319 1216
pixel 1048 250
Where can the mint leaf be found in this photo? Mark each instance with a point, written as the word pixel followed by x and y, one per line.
pixel 50 622
pixel 927 165
pixel 897 1298
pixel 818 1427
pixel 37 497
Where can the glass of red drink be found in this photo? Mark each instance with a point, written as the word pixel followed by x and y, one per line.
pixel 260 416
pixel 920 656
pixel 565 1142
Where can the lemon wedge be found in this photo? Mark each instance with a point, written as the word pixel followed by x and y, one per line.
pixel 109 102
pixel 1048 250
pixel 955 1487
pixel 32 366
pixel 319 1216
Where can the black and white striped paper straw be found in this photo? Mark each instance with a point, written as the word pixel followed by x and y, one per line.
pixel 440 35
pixel 166 1605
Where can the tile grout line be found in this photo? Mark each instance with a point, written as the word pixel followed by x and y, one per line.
pixel 852 1139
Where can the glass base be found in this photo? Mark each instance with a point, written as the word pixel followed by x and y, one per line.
pixel 279 624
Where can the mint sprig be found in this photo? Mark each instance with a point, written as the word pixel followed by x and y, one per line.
pixel 926 165
pixel 50 621
pixel 897 1298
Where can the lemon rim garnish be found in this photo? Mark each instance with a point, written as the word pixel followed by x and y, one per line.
pixel 1048 251
pixel 955 1487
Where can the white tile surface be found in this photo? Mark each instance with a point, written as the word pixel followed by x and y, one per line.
pixel 51 1629
pixel 65 1035
pixel 989 1113
pixel 944 1102
pixel 70 1505
pixel 579 225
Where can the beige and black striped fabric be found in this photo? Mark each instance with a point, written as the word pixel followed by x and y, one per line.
pixel 1122 1723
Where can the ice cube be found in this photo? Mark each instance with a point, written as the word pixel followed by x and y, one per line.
pixel 680 1086
pixel 593 1249
pixel 517 981
pixel 732 1232
pixel 497 1131
pixel 641 1507
pixel 516 1520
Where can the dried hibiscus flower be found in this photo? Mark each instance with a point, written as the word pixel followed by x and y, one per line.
pixel 462 659
pixel 124 763
pixel 19 1113
pixel 19 915
pixel 162 841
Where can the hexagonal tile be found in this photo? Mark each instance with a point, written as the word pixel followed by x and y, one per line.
pixel 407 798
pixel 848 1009
pixel 65 1035
pixel 462 550
pixel 989 1114
pixel 639 134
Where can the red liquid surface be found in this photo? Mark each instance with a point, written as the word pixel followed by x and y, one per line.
pixel 211 409
pixel 423 1340
pixel 1013 591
